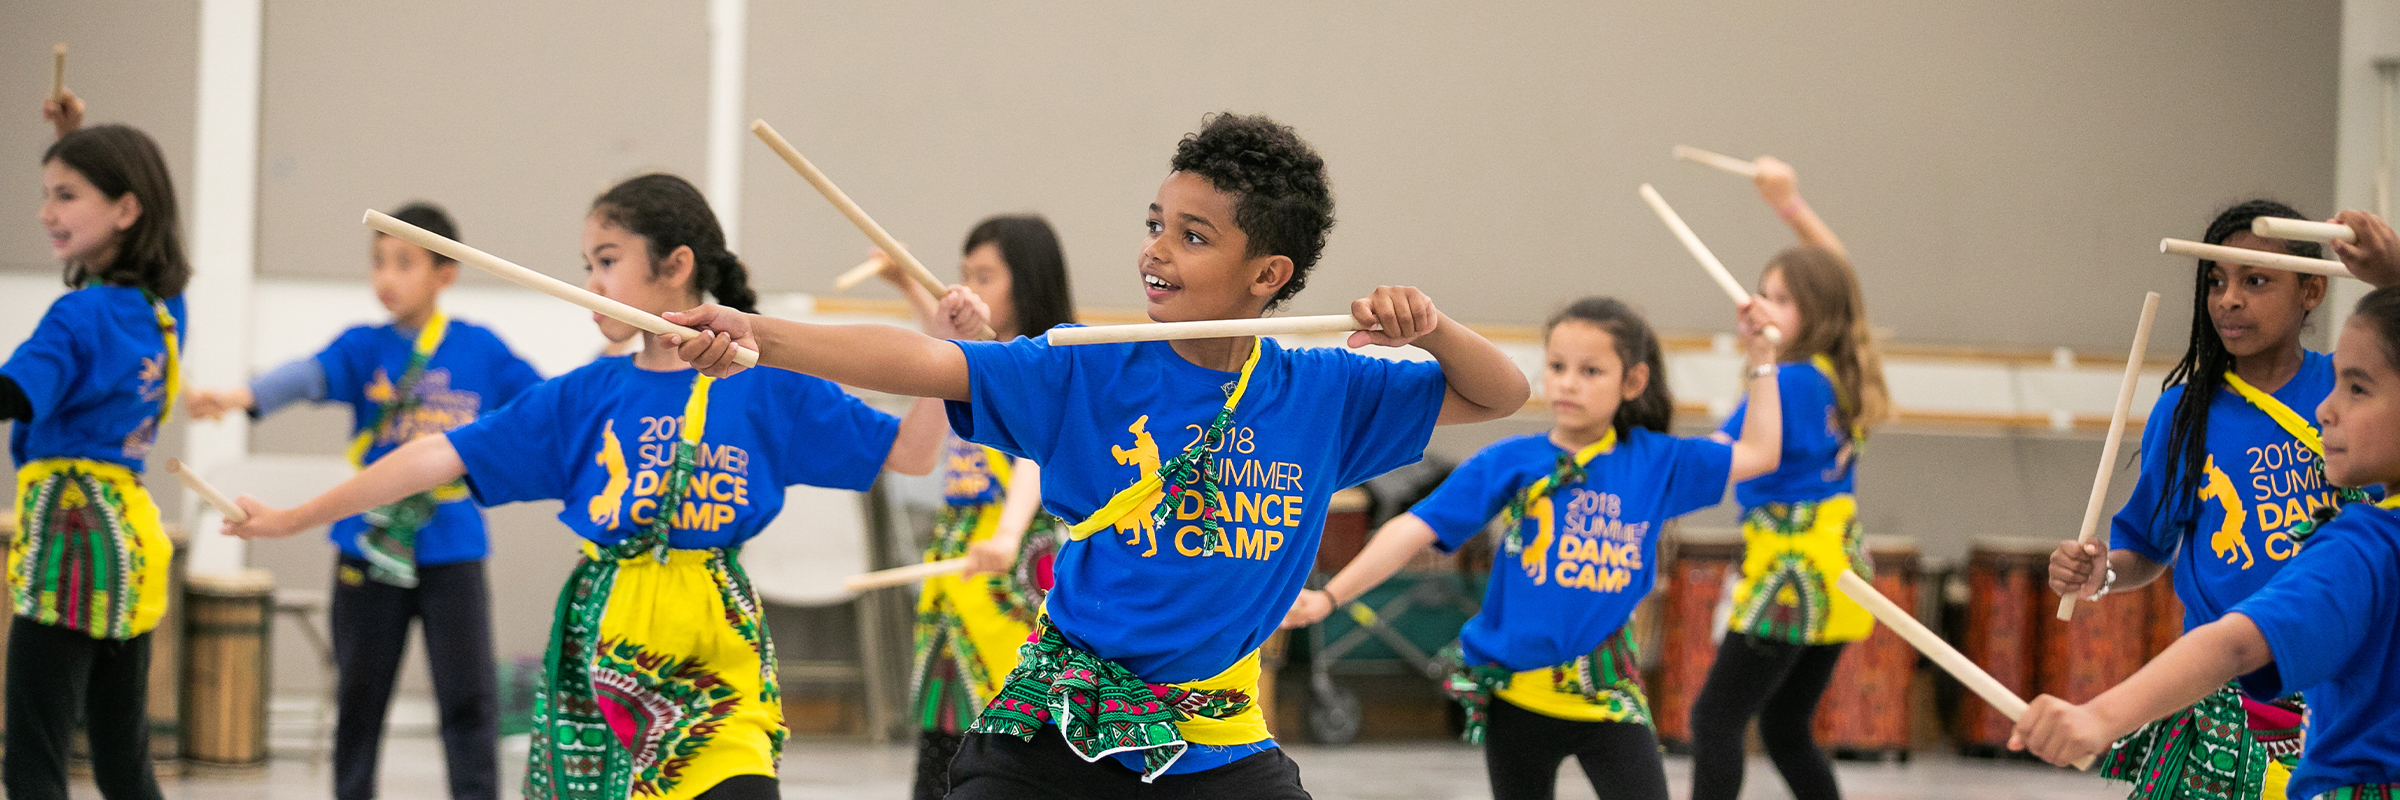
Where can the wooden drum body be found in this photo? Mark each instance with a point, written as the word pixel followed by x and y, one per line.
pixel 2098 649
pixel 225 676
pixel 2166 614
pixel 1865 712
pixel 2007 580
pixel 1688 627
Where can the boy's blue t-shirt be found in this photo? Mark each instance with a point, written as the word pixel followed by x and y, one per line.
pixel 1099 418
pixel 2226 541
pixel 471 374
pixel 94 371
pixel 1811 468
pixel 1577 582
pixel 602 437
pixel 2331 618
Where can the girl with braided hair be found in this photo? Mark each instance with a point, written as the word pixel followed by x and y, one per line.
pixel 1547 668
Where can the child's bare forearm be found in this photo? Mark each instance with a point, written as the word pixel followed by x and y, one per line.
pixel 1393 545
pixel 1483 383
pixel 1760 449
pixel 2195 665
pixel 882 358
pixel 417 466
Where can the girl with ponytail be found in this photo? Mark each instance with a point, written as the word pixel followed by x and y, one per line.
pixel 660 679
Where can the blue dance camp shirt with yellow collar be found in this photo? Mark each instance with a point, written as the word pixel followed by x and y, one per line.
pixel 2228 539
pixel 2331 618
pixel 94 371
pixel 471 374
pixel 1812 468
pixel 602 438
pixel 1584 569
pixel 1099 418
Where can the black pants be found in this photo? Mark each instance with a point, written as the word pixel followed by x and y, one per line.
pixel 57 677
pixel 935 749
pixel 1778 683
pixel 994 766
pixel 370 634
pixel 1522 750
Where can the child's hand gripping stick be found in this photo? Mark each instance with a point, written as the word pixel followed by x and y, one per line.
pixel 858 216
pixel 1708 261
pixel 216 499
pixel 2116 435
pixel 539 282
pixel 1939 652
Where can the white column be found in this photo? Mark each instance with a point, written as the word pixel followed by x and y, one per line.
pixel 223 228
pixel 728 40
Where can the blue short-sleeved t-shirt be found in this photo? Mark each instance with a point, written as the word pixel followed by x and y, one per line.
pixel 602 437
pixel 1811 468
pixel 1099 418
pixel 2331 618
pixel 2226 541
pixel 1584 569
pixel 471 374
pixel 95 372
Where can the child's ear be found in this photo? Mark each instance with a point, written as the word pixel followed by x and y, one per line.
pixel 129 211
pixel 676 267
pixel 1269 274
pixel 445 272
pixel 2312 289
pixel 1637 381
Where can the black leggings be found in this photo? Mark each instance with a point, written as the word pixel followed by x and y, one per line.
pixel 935 749
pixel 1522 750
pixel 997 766
pixel 57 676
pixel 744 787
pixel 370 632
pixel 1778 683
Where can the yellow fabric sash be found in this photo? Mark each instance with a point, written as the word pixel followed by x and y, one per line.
pixel 2283 415
pixel 1243 728
pixel 1147 492
pixel 174 358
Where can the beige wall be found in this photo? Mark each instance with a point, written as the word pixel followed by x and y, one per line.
pixel 2002 171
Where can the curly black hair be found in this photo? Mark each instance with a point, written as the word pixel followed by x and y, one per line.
pixel 1281 198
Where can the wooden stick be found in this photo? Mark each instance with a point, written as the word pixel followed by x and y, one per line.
pixel 859 274
pixel 1721 161
pixel 1940 652
pixel 2116 434
pixel 192 481
pixel 58 70
pixel 858 216
pixel 902 575
pixel 2280 228
pixel 1708 261
pixel 536 281
pixel 1204 329
pixel 2255 258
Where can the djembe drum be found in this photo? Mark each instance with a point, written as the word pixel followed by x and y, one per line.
pixel 1864 713
pixel 225 667
pixel 1688 626
pixel 2007 580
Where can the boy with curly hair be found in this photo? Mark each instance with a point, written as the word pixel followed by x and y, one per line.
pixel 1197 472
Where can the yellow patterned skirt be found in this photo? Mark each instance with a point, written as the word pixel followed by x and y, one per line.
pixel 1791 553
pixel 661 680
pixel 89 553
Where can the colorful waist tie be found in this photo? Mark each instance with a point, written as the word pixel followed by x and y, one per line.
pixel 2226 747
pixel 1102 708
pixel 1604 685
pixel 89 553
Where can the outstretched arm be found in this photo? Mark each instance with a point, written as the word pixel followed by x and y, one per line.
pixel 2196 665
pixel 882 358
pixel 1482 383
pixel 1394 544
pixel 1779 185
pixel 420 465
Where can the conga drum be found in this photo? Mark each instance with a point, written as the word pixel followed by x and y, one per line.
pixel 1864 712
pixel 227 619
pixel 2166 614
pixel 1688 627
pixel 2007 580
pixel 2101 647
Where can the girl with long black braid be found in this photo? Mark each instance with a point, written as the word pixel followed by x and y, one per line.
pixel 660 677
pixel 2231 482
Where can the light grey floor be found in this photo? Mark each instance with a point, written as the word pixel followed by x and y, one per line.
pixel 412 768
